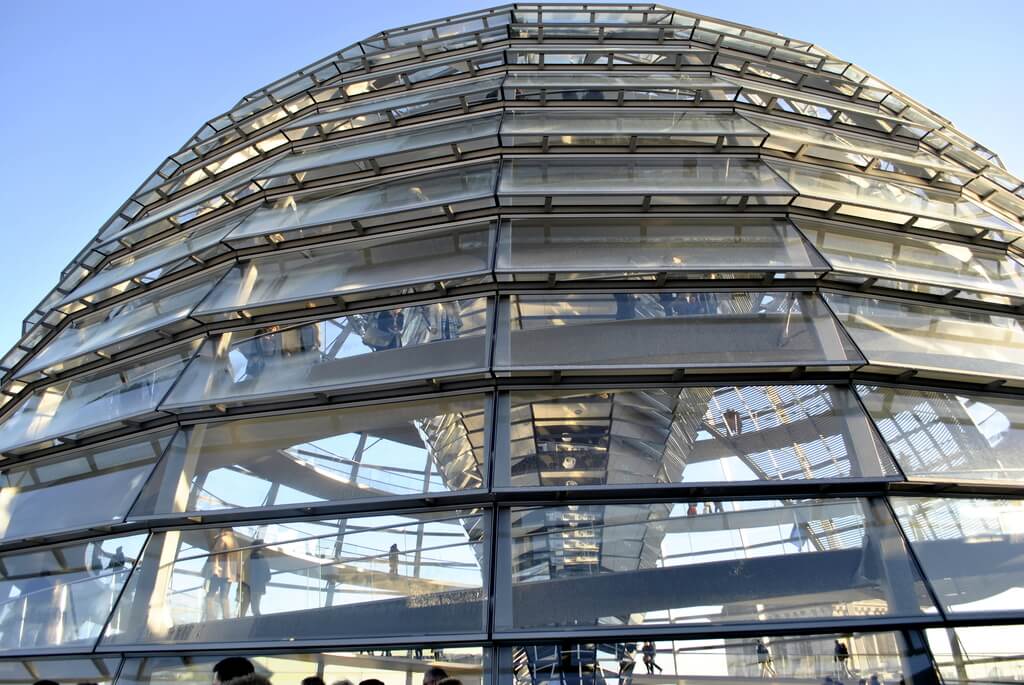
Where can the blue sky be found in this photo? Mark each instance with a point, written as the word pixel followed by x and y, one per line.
pixel 99 93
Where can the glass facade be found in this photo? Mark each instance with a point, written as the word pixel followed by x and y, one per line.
pixel 542 344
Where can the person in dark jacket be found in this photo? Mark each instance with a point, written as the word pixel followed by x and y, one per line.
pixel 254 581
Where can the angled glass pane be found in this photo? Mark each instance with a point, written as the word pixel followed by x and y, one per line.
pixel 607 176
pixel 76 406
pixel 950 436
pixel 677 330
pixel 76 489
pixel 618 127
pixel 969 549
pixel 409 448
pixel 610 247
pixel 389 665
pixel 741 561
pixel 144 318
pixel 61 596
pixel 903 199
pixel 396 261
pixel 408 193
pixel 595 86
pixel 977 654
pixel 152 262
pixel 928 338
pixel 352 155
pixel 885 657
pixel 691 435
pixel 903 261
pixel 371 576
pixel 428 340
pixel 98 670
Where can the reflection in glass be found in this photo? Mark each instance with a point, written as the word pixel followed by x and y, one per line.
pixel 950 436
pixel 708 561
pixel 932 338
pixel 970 550
pixel 390 665
pixel 123 325
pixel 897 258
pixel 677 330
pixel 435 339
pixel 76 489
pixel 97 398
pixel 884 657
pixel 978 654
pixel 400 574
pixel 596 86
pixel 691 435
pixel 611 247
pixel 435 189
pixel 61 596
pixel 377 451
pixel 391 261
pixel 97 670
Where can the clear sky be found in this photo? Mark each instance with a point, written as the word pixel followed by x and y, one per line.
pixel 99 93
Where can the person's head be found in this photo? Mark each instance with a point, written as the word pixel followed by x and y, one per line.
pixel 251 679
pixel 450 681
pixel 371 681
pixel 343 681
pixel 232 667
pixel 434 675
pixel 313 680
pixel 45 682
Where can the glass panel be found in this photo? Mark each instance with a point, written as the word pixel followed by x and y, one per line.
pixel 123 325
pixel 950 436
pixel 932 338
pixel 362 577
pixel 389 665
pixel 147 264
pixel 878 657
pixel 969 549
pixel 112 394
pixel 98 670
pixel 61 596
pixel 639 175
pixel 431 190
pixel 76 489
pixel 436 339
pixel 902 198
pixel 412 448
pixel 611 246
pixel 391 261
pixel 669 564
pixel 608 127
pixel 677 330
pixel 901 257
pixel 978 654
pixel 691 435
pixel 597 86
pixel 390 143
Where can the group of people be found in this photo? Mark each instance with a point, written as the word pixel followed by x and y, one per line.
pixel 627 660
pixel 229 566
pixel 237 670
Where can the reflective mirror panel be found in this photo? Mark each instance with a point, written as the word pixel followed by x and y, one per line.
pixel 94 399
pixel 692 435
pixel 846 657
pixel 26 671
pixel 676 330
pixel 436 339
pixel 977 654
pixel 902 261
pixel 76 489
pixel 361 577
pixel 633 247
pixel 393 666
pixel 950 436
pixel 708 561
pixel 930 338
pixel 409 448
pixel 62 596
pixel 970 550
pixel 399 261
